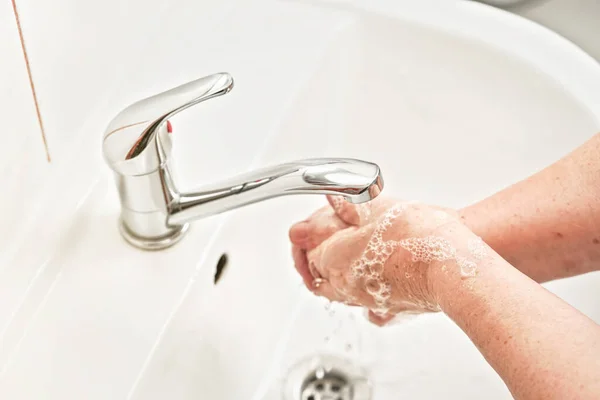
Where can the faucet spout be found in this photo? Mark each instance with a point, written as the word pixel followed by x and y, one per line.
pixel 357 181
pixel 155 214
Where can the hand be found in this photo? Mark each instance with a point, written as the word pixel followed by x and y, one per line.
pixel 378 255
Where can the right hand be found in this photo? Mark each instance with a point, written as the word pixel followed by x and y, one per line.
pixel 379 255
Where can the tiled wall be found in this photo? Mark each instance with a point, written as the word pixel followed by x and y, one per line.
pixel 77 51
pixel 23 164
pixel 88 60
pixel 84 54
pixel 20 126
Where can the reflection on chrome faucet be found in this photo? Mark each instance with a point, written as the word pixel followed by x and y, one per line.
pixel 155 215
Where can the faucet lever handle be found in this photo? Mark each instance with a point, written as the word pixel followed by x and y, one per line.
pixel 136 141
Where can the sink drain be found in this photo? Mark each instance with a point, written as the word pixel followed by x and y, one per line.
pixel 326 377
pixel 326 386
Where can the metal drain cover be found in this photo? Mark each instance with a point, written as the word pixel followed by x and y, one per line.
pixel 326 377
pixel 329 386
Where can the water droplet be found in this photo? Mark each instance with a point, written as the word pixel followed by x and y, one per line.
pixel 320 373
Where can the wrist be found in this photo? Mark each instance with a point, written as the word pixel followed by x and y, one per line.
pixel 476 220
pixel 440 261
pixel 444 281
pixel 497 227
pixel 447 279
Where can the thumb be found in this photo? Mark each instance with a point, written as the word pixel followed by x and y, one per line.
pixel 346 211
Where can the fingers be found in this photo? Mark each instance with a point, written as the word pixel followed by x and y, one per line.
pixel 316 284
pixel 380 320
pixel 301 264
pixel 324 289
pixel 300 234
pixel 347 212
pixel 311 277
pixel 398 313
pixel 314 231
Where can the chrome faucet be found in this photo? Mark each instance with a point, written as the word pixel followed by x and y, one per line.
pixel 155 215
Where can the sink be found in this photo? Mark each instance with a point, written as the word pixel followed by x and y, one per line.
pixel 447 102
pixel 450 120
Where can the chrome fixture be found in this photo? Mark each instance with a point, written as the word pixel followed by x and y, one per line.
pixel 155 215
pixel 326 377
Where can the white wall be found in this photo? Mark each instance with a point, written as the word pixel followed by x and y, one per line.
pixel 88 60
pixel 22 157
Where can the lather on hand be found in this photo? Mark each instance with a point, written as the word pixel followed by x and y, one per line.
pixel 480 266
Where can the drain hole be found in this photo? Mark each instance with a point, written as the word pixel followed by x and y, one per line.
pixel 327 377
pixel 221 264
pixel 331 385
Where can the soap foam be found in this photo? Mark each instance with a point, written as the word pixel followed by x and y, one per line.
pixel 364 212
pixel 337 203
pixel 370 265
pixel 434 248
pixel 467 267
pixel 429 249
pixel 477 248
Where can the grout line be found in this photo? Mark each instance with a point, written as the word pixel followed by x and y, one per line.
pixel 31 84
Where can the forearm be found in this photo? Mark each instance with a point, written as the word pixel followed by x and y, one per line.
pixel 547 226
pixel 540 346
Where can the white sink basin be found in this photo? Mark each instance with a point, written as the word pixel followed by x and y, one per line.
pixel 447 103
pixel 449 120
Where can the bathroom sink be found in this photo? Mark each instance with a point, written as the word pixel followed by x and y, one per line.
pixel 452 104
pixel 450 120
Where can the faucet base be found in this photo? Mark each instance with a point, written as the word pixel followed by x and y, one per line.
pixel 157 243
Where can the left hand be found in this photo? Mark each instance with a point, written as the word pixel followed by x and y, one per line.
pixel 377 255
